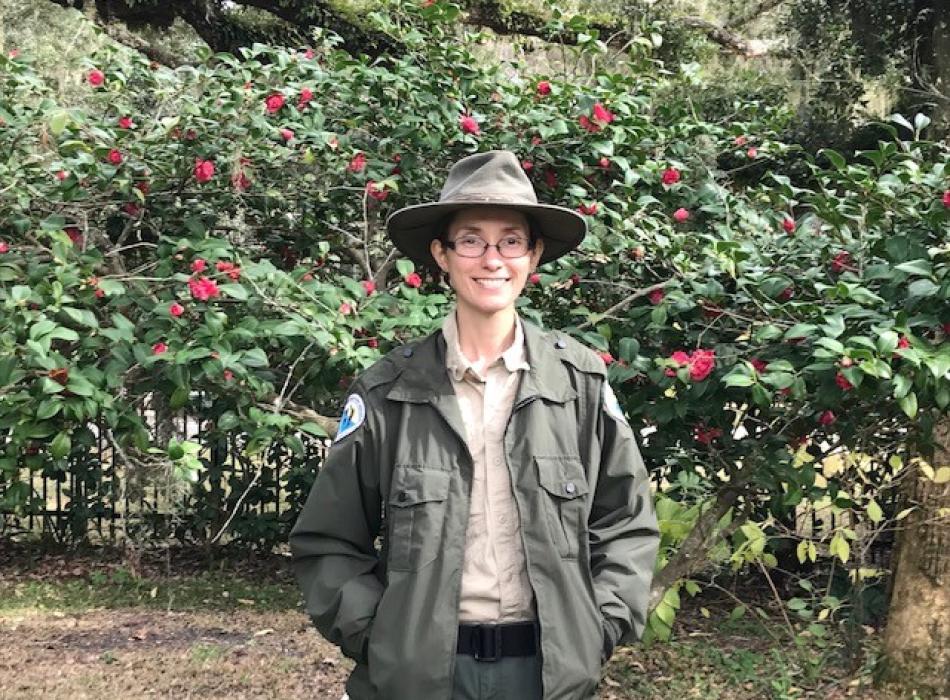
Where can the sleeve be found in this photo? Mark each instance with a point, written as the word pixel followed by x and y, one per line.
pixel 624 537
pixel 332 543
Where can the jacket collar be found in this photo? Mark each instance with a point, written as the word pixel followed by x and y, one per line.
pixel 425 379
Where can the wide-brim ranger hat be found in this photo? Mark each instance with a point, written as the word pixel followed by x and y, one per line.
pixel 493 178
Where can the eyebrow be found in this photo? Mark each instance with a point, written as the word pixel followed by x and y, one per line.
pixel 517 228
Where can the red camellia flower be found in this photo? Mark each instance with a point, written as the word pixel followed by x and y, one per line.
pixel 752 152
pixel 369 286
pixel 588 209
pixel 176 309
pixel 536 140
pixel 544 87
pixel 144 187
pixel 759 365
pixel 788 224
pixel 286 134
pixel 587 124
pixel 843 383
pixel 469 124
pixel 198 265
pixel 62 175
pixel 680 357
pixel 131 208
pixel 602 115
pixel 203 288
pixel 827 417
pixel 274 102
pixel 115 156
pixel 575 279
pixel 904 342
pixel 223 266
pixel 680 215
pixel 550 178
pixel 946 199
pixel 376 191
pixel 656 296
pixel 527 165
pixel 701 364
pixel 534 278
pixel 841 261
pixel 125 123
pixel 357 163
pixel 606 357
pixel 413 280
pixel 159 348
pixel 670 176
pixel 240 180
pixel 308 54
pixel 306 94
pixel 228 375
pixel 786 293
pixel 75 235
pixel 346 309
pixel 4 247
pixel 604 163
pixel 204 170
pixel 100 292
pixel 704 435
pixel 373 343
pixel 95 77
pixel 740 140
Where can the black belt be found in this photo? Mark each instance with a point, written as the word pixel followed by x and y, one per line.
pixel 492 642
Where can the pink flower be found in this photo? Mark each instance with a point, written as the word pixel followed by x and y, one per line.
pixel 946 199
pixel 306 94
pixel 144 187
pixel 843 383
pixel 357 163
pixel 841 261
pixel 308 54
pixel 62 175
pixel 534 278
pixel 240 180
pixel 588 209
pixel 670 176
pixel 159 348
pixel 204 170
pixel 587 124
pixel 224 266
pixel 786 294
pixel 550 178
pixel 604 163
pixel 602 115
pixel 680 357
pixel 680 215
pixel 203 288
pixel 369 286
pixel 536 140
pixel 75 235
pixel 606 357
pixel 228 375
pixel 903 343
pixel 115 156
pixel 827 418
pixel 527 165
pixel 274 102
pixel 100 293
pixel 95 77
pixel 373 343
pixel 176 309
pixel 4 247
pixel 544 87
pixel 131 208
pixel 701 364
pixel 413 279
pixel 469 124
pixel 125 123
pixel 198 265
pixel 789 225
pixel 656 296
pixel 752 153
pixel 13 53
pixel 346 309
pixel 376 191
pixel 740 141
pixel 759 365
pixel 286 134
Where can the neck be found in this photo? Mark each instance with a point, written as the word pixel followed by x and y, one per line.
pixel 483 338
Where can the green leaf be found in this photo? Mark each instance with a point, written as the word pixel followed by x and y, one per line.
pixel 48 408
pixel 908 404
pixel 255 357
pixel 404 267
pixel 887 342
pixel 313 429
pixel 61 446
pixel 902 385
pixel 629 348
pixel 235 291
pixel 921 268
pixel 922 288
pixel 228 421
pixel 875 514
pixel 800 330
pixel 58 122
pixel 82 316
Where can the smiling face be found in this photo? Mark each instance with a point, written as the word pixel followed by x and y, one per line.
pixel 491 282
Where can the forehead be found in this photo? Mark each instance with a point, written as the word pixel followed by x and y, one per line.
pixel 480 218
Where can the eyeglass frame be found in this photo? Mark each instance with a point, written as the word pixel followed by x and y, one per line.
pixel 443 238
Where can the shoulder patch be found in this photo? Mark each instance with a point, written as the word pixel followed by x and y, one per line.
pixel 612 405
pixel 354 414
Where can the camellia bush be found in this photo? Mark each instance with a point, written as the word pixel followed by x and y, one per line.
pixel 211 239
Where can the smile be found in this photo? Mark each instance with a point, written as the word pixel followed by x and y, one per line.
pixel 490 282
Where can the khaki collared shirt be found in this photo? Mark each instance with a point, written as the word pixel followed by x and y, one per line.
pixel 495 586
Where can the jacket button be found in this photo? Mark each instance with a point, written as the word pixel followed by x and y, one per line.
pixel 403 497
pixel 569 487
pixel 560 344
pixel 407 352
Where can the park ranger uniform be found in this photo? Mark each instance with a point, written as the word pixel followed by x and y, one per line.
pixel 401 467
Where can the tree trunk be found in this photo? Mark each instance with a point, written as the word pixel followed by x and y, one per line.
pixel 917 638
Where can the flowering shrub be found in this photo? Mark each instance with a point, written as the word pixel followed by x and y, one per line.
pixel 228 242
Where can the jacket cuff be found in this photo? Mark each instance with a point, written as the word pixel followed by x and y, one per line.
pixel 611 637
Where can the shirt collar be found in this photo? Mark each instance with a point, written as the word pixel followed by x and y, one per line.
pixel 514 357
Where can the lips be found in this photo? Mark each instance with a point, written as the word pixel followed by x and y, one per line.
pixel 490 282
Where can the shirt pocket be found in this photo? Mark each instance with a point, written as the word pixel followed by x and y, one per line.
pixel 564 501
pixel 417 511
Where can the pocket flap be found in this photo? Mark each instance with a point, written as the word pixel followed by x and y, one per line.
pixel 562 476
pixel 411 485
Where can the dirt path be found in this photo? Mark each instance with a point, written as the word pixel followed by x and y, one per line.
pixel 141 653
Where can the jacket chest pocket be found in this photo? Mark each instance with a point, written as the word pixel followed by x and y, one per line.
pixel 416 511
pixel 564 502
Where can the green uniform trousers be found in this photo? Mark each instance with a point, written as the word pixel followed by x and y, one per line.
pixel 508 678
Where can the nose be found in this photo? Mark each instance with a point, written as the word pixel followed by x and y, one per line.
pixel 491 258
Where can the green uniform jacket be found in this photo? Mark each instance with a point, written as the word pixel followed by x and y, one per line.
pixel 589 528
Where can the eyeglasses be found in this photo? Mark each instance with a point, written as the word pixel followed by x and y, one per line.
pixel 475 247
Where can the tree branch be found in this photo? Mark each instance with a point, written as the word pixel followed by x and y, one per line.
pixel 753 12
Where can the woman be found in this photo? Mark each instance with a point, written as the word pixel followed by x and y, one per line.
pixel 517 528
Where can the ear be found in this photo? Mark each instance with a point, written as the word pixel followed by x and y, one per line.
pixel 536 253
pixel 438 252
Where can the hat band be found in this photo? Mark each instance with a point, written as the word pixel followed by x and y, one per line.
pixel 498 198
